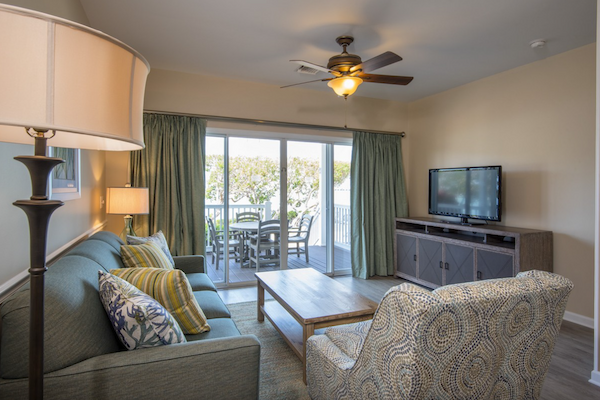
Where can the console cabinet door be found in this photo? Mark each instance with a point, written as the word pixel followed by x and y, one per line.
pixel 491 265
pixel 406 253
pixel 431 266
pixel 459 264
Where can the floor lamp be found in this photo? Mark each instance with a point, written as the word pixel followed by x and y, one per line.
pixel 78 87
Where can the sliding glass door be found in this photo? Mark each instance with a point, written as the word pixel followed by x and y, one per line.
pixel 244 177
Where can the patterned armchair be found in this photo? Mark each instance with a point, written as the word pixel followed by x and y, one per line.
pixel 477 340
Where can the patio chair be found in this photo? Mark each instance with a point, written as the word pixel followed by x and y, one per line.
pixel 247 216
pixel 301 235
pixel 265 245
pixel 218 244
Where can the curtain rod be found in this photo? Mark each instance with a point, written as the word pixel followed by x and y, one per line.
pixel 274 123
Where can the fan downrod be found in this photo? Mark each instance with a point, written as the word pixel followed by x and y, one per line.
pixel 343 62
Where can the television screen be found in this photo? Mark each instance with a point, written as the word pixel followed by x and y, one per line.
pixel 469 192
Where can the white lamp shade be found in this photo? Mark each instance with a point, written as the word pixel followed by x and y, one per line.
pixel 59 75
pixel 127 200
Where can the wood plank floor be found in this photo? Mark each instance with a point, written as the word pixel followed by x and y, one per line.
pixel 572 360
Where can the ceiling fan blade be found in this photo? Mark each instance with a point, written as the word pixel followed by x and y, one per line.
pixel 377 62
pixel 302 83
pixel 317 67
pixel 390 79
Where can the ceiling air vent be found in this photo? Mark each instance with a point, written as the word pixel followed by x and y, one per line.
pixel 303 69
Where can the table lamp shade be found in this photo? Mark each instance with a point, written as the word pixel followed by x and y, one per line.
pixel 127 200
pixel 59 75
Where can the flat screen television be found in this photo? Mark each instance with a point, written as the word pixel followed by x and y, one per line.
pixel 467 192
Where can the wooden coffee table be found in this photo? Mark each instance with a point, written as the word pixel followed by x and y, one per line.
pixel 307 300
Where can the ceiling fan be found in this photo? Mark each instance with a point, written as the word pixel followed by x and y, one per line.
pixel 350 71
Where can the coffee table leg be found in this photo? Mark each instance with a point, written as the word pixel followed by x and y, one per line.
pixel 307 331
pixel 261 302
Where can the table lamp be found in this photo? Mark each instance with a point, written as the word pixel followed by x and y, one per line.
pixel 128 201
pixel 77 86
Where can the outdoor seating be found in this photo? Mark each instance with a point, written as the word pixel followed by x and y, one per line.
pixel 301 235
pixel 247 216
pixel 265 245
pixel 217 242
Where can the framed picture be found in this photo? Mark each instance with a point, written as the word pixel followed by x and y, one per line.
pixel 65 182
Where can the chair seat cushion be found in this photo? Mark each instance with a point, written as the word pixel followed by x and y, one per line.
pixel 349 338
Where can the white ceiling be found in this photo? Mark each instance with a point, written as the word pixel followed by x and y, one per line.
pixel 443 43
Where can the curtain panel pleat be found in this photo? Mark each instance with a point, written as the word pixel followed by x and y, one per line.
pixel 378 195
pixel 171 166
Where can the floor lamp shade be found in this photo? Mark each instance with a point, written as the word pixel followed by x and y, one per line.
pixel 61 76
pixel 81 88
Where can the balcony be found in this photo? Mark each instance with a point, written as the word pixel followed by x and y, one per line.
pixel 317 249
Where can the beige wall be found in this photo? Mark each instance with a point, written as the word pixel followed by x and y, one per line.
pixel 169 91
pixel 538 122
pixel 69 222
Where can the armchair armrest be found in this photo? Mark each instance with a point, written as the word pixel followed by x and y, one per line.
pixel 190 264
pixel 193 370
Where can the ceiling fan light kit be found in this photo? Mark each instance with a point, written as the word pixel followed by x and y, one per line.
pixel 350 71
pixel 345 86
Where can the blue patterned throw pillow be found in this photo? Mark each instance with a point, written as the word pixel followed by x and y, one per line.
pixel 138 319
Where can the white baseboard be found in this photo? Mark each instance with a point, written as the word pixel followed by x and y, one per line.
pixel 16 282
pixel 595 378
pixel 579 319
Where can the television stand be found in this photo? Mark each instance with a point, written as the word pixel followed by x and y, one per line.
pixel 434 253
pixel 463 221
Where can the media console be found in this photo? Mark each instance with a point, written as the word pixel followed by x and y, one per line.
pixel 434 253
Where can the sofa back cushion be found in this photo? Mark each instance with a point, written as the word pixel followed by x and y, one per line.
pixel 76 326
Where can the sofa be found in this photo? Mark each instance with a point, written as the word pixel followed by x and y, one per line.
pixel 490 339
pixel 84 359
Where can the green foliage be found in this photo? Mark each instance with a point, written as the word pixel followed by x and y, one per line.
pixel 257 179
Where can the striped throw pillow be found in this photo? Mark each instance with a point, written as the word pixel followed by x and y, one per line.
pixel 158 238
pixel 171 289
pixel 147 255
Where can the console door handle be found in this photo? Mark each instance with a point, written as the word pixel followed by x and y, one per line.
pixel 415 257
pixel 446 266
pixel 441 264
pixel 479 275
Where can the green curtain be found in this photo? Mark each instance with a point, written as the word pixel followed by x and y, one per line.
pixel 378 195
pixel 172 168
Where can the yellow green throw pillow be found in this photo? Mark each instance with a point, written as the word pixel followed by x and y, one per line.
pixel 147 255
pixel 171 289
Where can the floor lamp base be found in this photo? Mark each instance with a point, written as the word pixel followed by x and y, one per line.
pixel 39 210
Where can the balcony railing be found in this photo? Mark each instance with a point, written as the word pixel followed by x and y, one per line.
pixel 341 219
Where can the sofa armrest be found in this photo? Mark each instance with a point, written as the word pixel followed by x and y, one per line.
pixel 226 368
pixel 190 264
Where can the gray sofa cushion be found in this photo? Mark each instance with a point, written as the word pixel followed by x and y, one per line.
pixel 201 282
pixel 101 252
pixel 219 328
pixel 74 318
pixel 212 305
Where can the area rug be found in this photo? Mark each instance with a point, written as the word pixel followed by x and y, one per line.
pixel 280 368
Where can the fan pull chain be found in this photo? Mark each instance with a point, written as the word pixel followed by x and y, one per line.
pixel 346 112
